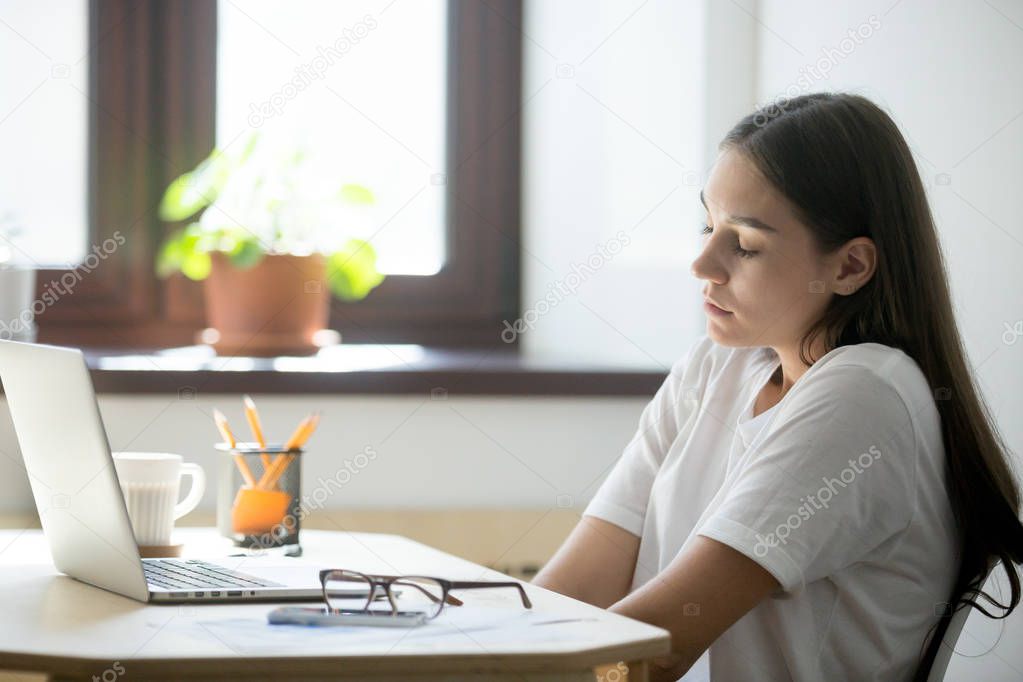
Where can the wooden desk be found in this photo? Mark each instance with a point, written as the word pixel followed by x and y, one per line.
pixel 70 630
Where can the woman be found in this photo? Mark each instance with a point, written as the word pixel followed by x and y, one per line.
pixel 817 481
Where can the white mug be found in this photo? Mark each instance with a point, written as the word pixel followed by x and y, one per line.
pixel 151 482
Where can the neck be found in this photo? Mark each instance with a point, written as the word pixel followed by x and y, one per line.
pixel 792 367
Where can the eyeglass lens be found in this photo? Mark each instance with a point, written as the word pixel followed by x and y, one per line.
pixel 353 591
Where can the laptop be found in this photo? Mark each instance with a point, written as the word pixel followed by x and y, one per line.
pixel 81 506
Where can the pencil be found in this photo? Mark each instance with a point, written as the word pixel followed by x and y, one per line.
pixel 257 429
pixel 269 477
pixel 225 433
pixel 281 461
pixel 301 434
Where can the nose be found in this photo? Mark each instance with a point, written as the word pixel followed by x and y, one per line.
pixel 706 266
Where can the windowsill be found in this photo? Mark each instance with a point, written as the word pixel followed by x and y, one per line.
pixel 365 369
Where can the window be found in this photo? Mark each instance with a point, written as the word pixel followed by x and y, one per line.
pixel 156 106
pixel 43 132
pixel 363 89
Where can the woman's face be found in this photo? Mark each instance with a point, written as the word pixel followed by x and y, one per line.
pixel 758 261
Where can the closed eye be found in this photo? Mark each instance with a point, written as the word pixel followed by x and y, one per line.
pixel 741 252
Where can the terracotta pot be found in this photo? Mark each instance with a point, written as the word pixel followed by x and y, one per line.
pixel 273 308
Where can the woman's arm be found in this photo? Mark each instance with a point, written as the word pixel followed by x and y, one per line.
pixel 696 598
pixel 594 565
pixel 701 593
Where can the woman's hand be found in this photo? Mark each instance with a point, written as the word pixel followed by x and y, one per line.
pixel 700 594
pixel 668 668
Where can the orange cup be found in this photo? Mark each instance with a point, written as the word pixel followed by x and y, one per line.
pixel 256 511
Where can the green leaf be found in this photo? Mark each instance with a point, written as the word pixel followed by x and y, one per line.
pixel 246 253
pixel 168 261
pixel 205 241
pixel 197 189
pixel 352 272
pixel 183 251
pixel 250 145
pixel 196 265
pixel 180 201
pixel 355 194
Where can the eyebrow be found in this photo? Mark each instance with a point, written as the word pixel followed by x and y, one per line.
pixel 746 221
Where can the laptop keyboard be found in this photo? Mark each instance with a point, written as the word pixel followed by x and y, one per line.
pixel 190 574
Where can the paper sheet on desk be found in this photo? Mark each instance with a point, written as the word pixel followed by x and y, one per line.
pixel 479 625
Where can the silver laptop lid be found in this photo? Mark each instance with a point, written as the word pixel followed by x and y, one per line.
pixel 67 456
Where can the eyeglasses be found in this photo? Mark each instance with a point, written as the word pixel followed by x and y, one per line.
pixel 345 590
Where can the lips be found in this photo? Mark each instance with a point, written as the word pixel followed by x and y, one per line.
pixel 716 305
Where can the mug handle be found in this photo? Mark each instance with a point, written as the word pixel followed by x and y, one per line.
pixel 195 492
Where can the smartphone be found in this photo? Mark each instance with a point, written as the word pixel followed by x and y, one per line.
pixel 303 615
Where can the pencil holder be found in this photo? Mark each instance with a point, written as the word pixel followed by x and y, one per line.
pixel 259 496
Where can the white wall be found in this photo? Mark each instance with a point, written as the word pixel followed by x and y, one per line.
pixel 458 452
pixel 621 98
pixel 949 74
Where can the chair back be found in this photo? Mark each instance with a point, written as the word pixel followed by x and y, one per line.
pixel 948 644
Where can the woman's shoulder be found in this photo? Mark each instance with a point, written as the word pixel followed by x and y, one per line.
pixel 888 364
pixel 878 369
pixel 869 354
pixel 706 360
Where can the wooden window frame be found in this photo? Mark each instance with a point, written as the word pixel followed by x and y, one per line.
pixel 152 94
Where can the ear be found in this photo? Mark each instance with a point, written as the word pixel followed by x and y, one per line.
pixel 855 263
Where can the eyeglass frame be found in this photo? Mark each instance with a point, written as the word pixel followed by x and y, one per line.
pixel 385 582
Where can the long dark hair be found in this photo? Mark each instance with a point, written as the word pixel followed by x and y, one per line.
pixel 845 167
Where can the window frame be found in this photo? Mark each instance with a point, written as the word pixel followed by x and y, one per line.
pixel 152 98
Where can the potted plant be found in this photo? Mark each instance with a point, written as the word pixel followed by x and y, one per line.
pixel 270 246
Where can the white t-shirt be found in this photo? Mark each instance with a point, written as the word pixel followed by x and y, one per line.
pixel 837 491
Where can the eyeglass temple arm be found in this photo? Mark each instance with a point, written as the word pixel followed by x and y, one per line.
pixel 456 585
